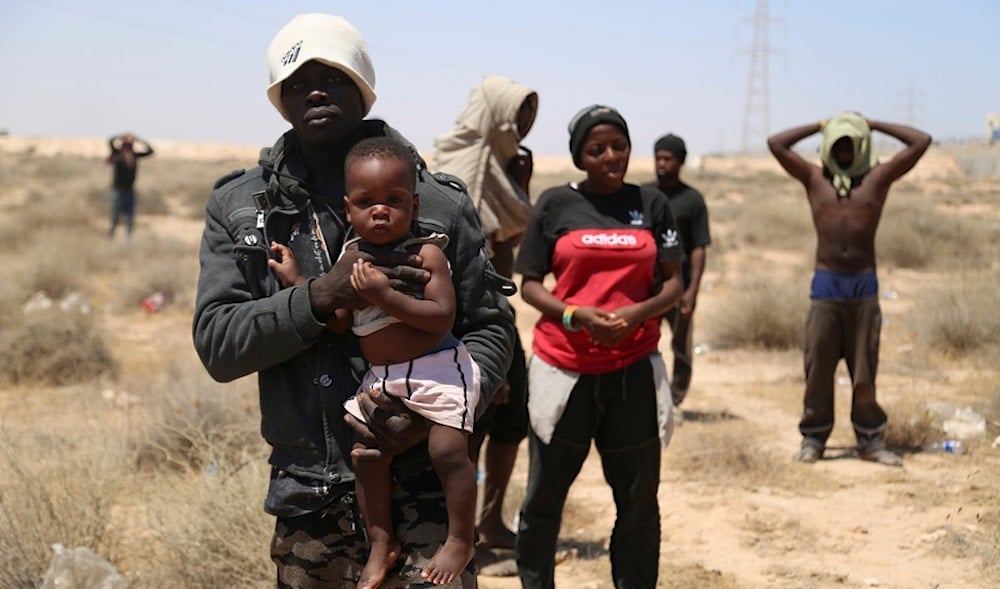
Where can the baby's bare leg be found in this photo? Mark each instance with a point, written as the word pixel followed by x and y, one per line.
pixel 449 450
pixel 374 497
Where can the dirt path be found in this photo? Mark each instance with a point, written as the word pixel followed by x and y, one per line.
pixel 766 521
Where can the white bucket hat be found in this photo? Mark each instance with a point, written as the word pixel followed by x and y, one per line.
pixel 327 39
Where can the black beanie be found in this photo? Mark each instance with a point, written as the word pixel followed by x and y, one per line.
pixel 587 119
pixel 673 144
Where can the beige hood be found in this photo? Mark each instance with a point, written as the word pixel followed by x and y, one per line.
pixel 477 150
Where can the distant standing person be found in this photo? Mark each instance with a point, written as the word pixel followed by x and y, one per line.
pixel 846 195
pixel 484 149
pixel 126 149
pixel 596 376
pixel 691 218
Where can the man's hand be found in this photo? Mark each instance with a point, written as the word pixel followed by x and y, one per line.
pixel 688 300
pixel 391 427
pixel 404 270
pixel 333 290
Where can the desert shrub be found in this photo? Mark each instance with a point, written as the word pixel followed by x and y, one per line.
pixel 911 424
pixel 197 425
pixel 759 314
pixel 181 186
pixel 207 531
pixel 54 347
pixel 918 235
pixel 57 272
pixel 733 453
pixel 903 244
pixel 773 221
pixel 960 315
pixel 200 442
pixel 56 488
pixel 158 266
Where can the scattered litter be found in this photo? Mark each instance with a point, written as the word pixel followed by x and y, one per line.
pixel 843 381
pixel 872 582
pixel 154 302
pixel 934 536
pixel 890 294
pixel 964 424
pixel 80 568
pixel 40 301
pixel 119 398
pixel 702 348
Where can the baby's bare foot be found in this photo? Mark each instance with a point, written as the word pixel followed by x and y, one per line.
pixel 449 562
pixel 383 555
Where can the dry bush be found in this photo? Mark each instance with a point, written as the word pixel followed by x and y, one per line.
pixel 961 315
pixel 195 425
pixel 917 234
pixel 55 248
pixel 756 313
pixel 769 220
pixel 158 266
pixel 203 524
pixel 61 266
pixel 903 244
pixel 911 424
pixel 57 488
pixel 207 530
pixel 54 347
pixel 180 186
pixel 733 453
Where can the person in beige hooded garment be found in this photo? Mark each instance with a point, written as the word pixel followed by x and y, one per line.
pixel 484 150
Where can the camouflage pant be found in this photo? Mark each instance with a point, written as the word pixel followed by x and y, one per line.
pixel 327 549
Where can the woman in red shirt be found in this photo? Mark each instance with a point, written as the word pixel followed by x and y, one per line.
pixel 595 373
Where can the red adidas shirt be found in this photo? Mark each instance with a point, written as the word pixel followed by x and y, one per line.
pixel 603 251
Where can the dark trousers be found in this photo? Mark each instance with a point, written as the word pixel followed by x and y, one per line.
pixel 122 205
pixel 681 346
pixel 850 330
pixel 617 411
pixel 328 548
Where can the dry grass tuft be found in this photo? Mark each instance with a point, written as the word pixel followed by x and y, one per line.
pixel 207 530
pixel 733 453
pixel 911 424
pixel 57 488
pixel 197 426
pixel 962 315
pixel 761 314
pixel 54 347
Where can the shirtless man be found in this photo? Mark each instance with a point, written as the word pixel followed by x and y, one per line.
pixel 846 195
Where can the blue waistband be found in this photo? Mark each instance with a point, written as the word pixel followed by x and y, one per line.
pixel 836 286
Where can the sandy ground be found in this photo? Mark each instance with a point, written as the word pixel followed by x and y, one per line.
pixel 850 524
pixel 838 523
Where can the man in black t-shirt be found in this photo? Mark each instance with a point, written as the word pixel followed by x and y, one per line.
pixel 691 218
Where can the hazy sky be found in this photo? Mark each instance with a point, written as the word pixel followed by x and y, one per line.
pixel 194 69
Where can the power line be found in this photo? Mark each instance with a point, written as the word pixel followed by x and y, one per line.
pixel 757 108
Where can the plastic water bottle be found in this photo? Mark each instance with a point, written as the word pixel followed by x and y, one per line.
pixel 947 446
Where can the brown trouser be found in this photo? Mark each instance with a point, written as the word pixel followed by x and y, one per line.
pixel 847 329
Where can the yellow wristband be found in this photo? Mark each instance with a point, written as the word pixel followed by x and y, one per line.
pixel 567 318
